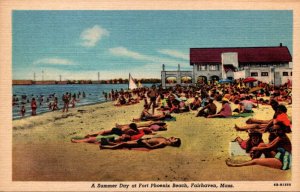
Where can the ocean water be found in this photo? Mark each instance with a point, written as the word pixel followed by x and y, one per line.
pixel 44 94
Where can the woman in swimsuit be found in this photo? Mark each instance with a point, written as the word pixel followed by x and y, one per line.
pixel 277 153
pixel 133 133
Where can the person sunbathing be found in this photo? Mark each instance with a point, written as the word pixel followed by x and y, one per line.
pixel 149 127
pixel 224 112
pixel 281 119
pixel 196 103
pixel 255 138
pixel 209 109
pixel 143 124
pixel 146 116
pixel 125 134
pixel 245 105
pixel 274 104
pixel 277 153
pixel 150 143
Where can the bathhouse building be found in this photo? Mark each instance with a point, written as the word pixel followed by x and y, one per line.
pixel 266 64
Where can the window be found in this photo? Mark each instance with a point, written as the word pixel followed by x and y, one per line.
pixel 201 67
pixel 264 74
pixel 214 67
pixel 285 73
pixel 291 73
pixel 254 74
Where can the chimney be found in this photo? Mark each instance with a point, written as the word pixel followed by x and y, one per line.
pixel 280 45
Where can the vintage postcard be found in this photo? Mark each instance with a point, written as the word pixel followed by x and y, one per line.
pixel 149 96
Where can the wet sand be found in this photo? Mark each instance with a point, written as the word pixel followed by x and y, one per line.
pixel 42 150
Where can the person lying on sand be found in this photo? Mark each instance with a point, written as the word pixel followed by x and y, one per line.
pixel 147 127
pixel 150 143
pixel 277 153
pixel 143 124
pixel 133 133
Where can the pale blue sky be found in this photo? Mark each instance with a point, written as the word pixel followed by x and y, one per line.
pixel 79 44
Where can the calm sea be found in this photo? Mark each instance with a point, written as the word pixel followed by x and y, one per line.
pixel 44 94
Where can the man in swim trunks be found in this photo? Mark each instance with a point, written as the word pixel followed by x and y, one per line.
pixel 152 93
pixel 133 133
pixel 150 143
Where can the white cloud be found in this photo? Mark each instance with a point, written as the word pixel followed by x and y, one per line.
pixel 124 52
pixel 54 61
pixel 174 53
pixel 90 36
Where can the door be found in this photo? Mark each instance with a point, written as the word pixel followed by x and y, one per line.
pixel 277 78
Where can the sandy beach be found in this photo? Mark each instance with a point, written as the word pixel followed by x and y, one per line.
pixel 42 150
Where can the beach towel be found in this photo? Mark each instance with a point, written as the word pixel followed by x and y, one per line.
pixel 99 137
pixel 139 149
pixel 236 150
pixel 242 115
pixel 170 119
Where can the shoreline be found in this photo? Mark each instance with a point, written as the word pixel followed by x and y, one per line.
pixel 60 110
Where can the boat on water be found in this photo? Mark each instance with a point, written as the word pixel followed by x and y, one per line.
pixel 132 84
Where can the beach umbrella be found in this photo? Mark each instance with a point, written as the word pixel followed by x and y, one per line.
pixel 225 81
pixel 254 89
pixel 249 80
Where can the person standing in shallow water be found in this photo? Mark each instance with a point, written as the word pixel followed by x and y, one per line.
pixel 23 111
pixel 66 100
pixel 33 107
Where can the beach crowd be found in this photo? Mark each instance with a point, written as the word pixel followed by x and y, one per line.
pixel 159 104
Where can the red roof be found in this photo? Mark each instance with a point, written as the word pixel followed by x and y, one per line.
pixel 279 54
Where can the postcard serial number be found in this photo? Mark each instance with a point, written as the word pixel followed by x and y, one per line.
pixel 282 184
